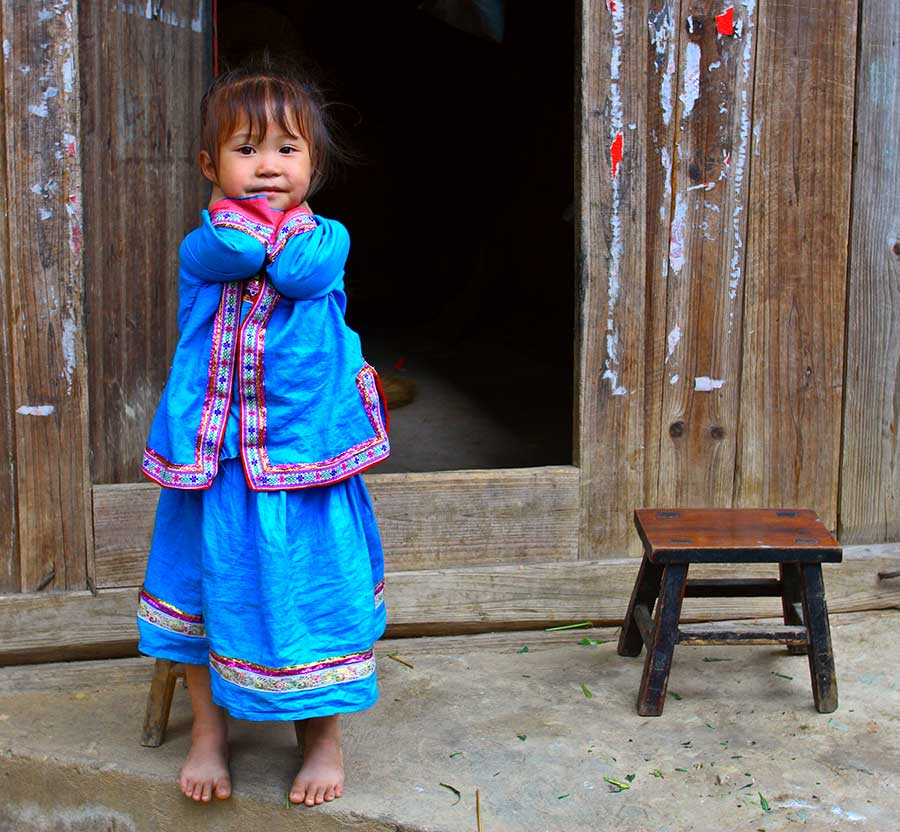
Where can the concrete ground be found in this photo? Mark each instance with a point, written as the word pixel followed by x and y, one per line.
pixel 537 732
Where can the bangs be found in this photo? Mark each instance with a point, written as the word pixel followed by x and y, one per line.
pixel 259 97
pixel 258 100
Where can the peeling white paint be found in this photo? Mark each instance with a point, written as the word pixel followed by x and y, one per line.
pixel 36 409
pixel 711 206
pixel 676 236
pixel 674 379
pixel 616 246
pixel 705 383
pixel 44 214
pixel 667 182
pixel 705 186
pixel 739 158
pixel 44 15
pixel 166 16
pixel 713 65
pixel 615 388
pixel 25 69
pixel 68 350
pixel 6 48
pixel 662 36
pixel 632 126
pixel 39 110
pixel 68 74
pixel 756 129
pixel 672 340
pixel 691 78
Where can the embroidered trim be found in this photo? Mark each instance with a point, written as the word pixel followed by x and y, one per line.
pixel 297 224
pixel 201 472
pixel 228 218
pixel 157 612
pixel 262 475
pixel 379 593
pixel 334 671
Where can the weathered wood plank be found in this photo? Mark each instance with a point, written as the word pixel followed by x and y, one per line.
pixel 47 627
pixel 143 76
pixel 870 464
pixel 700 372
pixel 664 47
pixel 9 546
pixel 41 79
pixel 609 395
pixel 431 520
pixel 792 374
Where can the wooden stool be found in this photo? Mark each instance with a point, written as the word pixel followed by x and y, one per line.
pixel 673 539
pixel 159 703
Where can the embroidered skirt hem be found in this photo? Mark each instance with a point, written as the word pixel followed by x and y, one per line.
pixel 280 593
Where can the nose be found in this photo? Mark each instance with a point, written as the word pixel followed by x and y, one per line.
pixel 268 164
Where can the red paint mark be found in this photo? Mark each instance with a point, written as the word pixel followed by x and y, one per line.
pixel 725 21
pixel 611 5
pixel 728 161
pixel 73 199
pixel 71 148
pixel 398 365
pixel 615 154
pixel 76 240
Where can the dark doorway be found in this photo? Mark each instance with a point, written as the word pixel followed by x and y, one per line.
pixel 461 273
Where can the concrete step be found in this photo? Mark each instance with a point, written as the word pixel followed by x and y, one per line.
pixel 535 732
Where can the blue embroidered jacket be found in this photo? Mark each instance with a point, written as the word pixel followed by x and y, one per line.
pixel 311 408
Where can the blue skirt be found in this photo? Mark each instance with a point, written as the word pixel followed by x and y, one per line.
pixel 280 593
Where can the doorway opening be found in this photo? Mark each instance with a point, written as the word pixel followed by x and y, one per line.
pixel 461 274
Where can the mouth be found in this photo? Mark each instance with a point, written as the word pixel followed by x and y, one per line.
pixel 267 191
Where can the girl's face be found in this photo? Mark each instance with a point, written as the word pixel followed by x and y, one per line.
pixel 277 164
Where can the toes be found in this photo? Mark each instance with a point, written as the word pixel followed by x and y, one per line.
pixel 338 789
pixel 298 793
pixel 223 789
pixel 197 791
pixel 206 792
pixel 329 794
pixel 320 794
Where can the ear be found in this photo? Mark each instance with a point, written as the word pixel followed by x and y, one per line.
pixel 208 168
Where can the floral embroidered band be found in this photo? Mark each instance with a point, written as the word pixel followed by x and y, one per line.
pixel 157 612
pixel 332 671
pixel 201 472
pixel 262 475
pixel 226 218
pixel 295 225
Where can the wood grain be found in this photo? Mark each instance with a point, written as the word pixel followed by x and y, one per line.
pixel 143 78
pixel 427 521
pixel 870 462
pixel 9 545
pixel 704 266
pixel 609 395
pixel 789 433
pixel 49 627
pixel 664 49
pixel 44 202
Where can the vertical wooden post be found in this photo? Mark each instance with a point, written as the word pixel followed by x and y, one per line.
pixel 610 327
pixel 789 441
pixel 9 547
pixel 40 87
pixel 696 359
pixel 870 465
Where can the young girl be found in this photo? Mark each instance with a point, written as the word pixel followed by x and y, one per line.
pixel 265 575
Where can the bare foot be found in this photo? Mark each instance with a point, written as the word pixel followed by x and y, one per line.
pixel 321 777
pixel 205 771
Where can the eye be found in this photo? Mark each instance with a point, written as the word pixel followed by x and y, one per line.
pixel 246 150
pixel 288 149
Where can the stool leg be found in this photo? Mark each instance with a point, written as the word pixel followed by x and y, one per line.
pixel 790 595
pixel 658 663
pixel 159 702
pixel 646 591
pixel 821 657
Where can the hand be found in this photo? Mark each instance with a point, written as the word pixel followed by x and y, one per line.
pixel 215 196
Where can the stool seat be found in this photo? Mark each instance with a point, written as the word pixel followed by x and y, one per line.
pixel 735 535
pixel 795 539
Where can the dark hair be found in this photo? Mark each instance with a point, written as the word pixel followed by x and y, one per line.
pixel 259 91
